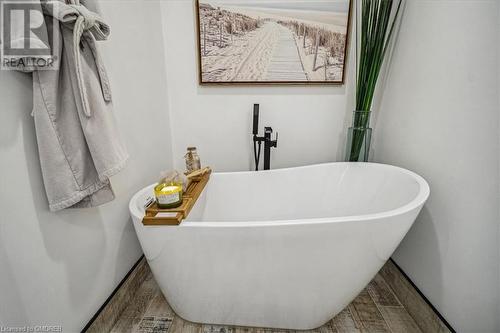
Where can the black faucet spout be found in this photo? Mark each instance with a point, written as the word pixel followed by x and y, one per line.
pixel 268 144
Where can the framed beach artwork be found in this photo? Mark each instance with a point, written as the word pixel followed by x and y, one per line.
pixel 272 41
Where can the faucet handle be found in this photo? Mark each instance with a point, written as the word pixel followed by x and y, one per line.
pixel 275 142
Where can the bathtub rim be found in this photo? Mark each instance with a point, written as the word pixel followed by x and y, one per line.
pixel 416 202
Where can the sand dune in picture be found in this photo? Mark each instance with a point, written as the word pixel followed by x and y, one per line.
pixel 334 21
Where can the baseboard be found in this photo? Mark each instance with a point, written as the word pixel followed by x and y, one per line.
pixel 105 318
pixel 418 306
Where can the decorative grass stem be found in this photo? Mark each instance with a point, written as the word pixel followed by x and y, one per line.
pixel 378 18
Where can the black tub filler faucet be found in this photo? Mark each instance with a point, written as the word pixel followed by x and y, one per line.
pixel 257 141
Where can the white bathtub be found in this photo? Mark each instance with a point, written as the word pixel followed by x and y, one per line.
pixel 287 248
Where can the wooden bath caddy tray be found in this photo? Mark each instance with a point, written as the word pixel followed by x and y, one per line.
pixel 174 216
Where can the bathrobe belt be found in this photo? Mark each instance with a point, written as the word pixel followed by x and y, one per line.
pixel 87 26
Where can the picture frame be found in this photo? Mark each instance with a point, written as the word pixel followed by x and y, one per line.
pixel 261 42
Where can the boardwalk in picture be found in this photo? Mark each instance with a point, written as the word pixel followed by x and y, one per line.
pixel 285 64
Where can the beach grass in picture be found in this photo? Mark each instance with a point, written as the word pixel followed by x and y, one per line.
pixel 272 41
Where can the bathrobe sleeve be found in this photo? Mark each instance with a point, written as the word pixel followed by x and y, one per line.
pixel 91 5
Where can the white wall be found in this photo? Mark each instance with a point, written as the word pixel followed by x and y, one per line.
pixel 440 118
pixel 218 120
pixel 58 269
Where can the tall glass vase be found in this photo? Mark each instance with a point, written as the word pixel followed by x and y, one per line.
pixel 359 136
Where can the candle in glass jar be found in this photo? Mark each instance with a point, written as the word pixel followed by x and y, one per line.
pixel 168 195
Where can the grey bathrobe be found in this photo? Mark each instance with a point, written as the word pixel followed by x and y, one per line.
pixel 78 140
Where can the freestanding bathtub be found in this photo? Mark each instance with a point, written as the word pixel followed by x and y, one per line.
pixel 287 248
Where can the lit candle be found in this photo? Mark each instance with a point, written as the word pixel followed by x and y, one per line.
pixel 168 195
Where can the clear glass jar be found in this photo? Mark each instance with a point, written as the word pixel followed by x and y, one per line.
pixel 192 160
pixel 359 137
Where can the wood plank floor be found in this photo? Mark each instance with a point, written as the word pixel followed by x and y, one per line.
pixel 376 309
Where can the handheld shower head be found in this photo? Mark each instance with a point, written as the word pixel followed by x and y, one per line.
pixel 255 119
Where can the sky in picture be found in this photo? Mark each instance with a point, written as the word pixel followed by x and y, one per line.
pixel 314 5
